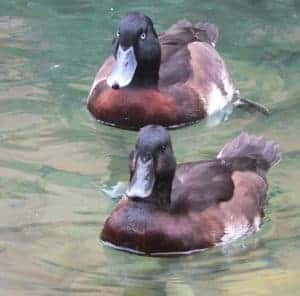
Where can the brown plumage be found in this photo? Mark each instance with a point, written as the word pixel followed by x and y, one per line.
pixel 188 207
pixel 178 78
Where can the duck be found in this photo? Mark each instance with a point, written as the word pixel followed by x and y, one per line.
pixel 172 79
pixel 171 208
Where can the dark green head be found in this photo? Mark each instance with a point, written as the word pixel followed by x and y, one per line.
pixel 137 52
pixel 152 162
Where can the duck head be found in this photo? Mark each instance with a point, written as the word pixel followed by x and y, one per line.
pixel 152 165
pixel 137 53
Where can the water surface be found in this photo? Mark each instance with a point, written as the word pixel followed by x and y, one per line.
pixel 55 160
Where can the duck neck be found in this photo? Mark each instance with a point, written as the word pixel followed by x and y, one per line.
pixel 146 75
pixel 143 79
pixel 161 194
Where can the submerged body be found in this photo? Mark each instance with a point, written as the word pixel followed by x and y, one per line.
pixel 197 206
pixel 172 79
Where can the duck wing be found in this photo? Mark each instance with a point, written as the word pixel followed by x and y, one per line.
pixel 197 186
pixel 184 32
pixel 191 66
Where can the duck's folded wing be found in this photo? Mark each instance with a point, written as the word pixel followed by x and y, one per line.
pixel 199 186
pixel 184 32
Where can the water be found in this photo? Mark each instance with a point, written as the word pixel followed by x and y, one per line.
pixel 56 162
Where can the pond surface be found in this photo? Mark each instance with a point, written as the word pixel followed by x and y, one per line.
pixel 56 162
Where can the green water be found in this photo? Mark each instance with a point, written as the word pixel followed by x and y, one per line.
pixel 55 160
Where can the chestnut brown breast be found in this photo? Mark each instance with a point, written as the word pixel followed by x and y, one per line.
pixel 133 108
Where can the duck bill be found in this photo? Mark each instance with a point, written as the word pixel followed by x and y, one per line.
pixel 143 179
pixel 123 69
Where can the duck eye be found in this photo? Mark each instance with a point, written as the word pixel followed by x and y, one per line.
pixel 143 36
pixel 163 148
pixel 118 33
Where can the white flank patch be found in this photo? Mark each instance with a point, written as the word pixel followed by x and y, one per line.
pixel 257 222
pixel 216 101
pixel 234 231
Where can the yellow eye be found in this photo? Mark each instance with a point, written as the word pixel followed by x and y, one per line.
pixel 143 36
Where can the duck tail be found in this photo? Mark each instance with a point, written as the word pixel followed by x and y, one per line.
pixel 253 147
